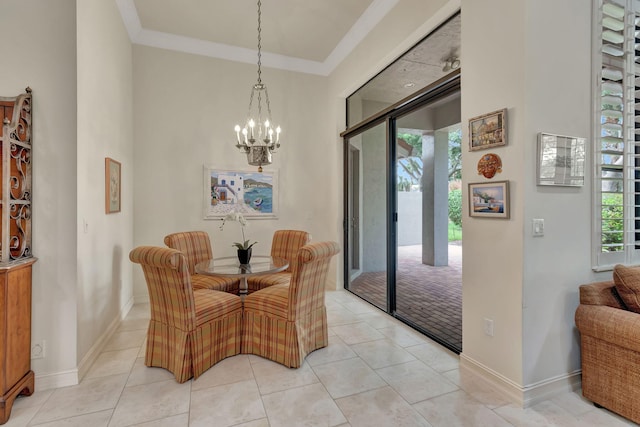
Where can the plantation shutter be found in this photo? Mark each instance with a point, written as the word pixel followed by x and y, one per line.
pixel 616 235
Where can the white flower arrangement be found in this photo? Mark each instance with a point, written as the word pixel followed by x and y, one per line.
pixel 237 216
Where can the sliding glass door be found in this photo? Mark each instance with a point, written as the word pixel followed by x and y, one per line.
pixel 398 173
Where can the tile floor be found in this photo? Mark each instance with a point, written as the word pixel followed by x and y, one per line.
pixel 376 371
pixel 429 297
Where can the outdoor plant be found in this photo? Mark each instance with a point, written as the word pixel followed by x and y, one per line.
pixel 612 222
pixel 237 216
pixel 455 207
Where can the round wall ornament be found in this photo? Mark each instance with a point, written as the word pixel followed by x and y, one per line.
pixel 489 165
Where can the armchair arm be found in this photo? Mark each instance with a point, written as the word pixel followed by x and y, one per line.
pixel 613 325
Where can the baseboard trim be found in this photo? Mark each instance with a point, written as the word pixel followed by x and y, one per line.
pixel 523 396
pixel 98 346
pixel 56 380
pixel 74 376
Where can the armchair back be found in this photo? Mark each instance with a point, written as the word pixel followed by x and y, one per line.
pixel 307 288
pixel 195 245
pixel 285 244
pixel 169 284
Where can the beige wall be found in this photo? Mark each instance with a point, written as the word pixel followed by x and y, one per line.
pixel 558 100
pixel 39 50
pixel 105 129
pixel 527 285
pixel 185 109
pixel 493 249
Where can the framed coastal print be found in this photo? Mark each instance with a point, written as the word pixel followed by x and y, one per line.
pixel 489 199
pixel 561 160
pixel 254 194
pixel 112 182
pixel 488 130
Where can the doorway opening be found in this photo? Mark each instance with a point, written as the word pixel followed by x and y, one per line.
pixel 403 211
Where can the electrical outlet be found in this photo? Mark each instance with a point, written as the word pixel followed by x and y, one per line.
pixel 488 327
pixel 38 350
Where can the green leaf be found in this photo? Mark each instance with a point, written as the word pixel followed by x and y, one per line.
pixel 244 245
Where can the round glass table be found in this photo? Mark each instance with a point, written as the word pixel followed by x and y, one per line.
pixel 231 267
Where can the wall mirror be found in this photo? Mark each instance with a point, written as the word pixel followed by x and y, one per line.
pixel 561 160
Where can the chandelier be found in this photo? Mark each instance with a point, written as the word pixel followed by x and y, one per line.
pixel 258 139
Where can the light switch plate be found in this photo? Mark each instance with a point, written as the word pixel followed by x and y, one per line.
pixel 538 227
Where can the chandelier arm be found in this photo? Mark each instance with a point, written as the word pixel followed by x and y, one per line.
pixel 266 97
pixel 260 107
pixel 250 106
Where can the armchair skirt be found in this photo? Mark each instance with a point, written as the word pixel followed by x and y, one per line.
pixel 284 322
pixel 190 330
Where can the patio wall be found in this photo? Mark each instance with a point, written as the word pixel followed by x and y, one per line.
pixel 409 218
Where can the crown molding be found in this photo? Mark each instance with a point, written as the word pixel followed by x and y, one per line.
pixel 376 11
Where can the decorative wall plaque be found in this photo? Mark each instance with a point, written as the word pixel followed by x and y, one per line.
pixel 489 165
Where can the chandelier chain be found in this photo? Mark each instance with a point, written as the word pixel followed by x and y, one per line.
pixel 259 42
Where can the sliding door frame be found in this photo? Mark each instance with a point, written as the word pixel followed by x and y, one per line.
pixel 439 89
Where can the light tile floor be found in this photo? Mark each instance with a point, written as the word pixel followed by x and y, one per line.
pixel 375 372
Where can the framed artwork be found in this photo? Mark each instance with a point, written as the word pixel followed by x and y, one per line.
pixel 488 130
pixel 254 194
pixel 112 175
pixel 489 199
pixel 561 160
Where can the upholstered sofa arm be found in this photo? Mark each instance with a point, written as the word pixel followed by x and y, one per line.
pixel 613 325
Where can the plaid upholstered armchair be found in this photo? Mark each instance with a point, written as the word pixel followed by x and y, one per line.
pixel 286 322
pixel 196 247
pixel 190 330
pixel 285 244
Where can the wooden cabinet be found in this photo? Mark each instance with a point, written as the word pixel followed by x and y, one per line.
pixel 16 376
pixel 16 259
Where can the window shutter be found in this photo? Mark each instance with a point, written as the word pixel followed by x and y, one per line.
pixel 616 188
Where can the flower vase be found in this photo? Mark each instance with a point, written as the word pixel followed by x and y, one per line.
pixel 244 255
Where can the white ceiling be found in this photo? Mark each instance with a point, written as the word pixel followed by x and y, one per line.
pixel 311 36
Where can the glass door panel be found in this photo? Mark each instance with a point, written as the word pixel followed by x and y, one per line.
pixel 428 286
pixel 366 215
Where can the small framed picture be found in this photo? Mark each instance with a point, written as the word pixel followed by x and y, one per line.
pixel 112 185
pixel 561 160
pixel 489 199
pixel 488 130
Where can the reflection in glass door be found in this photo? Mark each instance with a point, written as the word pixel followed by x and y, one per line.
pixel 367 216
pixel 428 276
